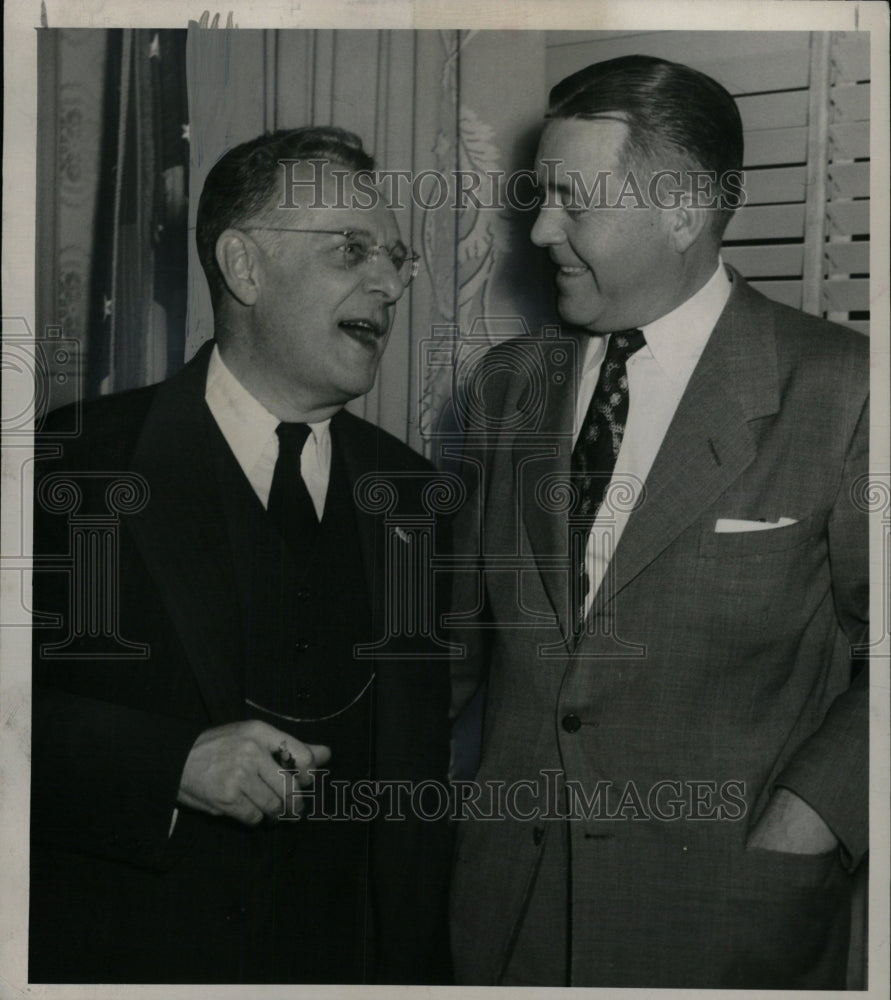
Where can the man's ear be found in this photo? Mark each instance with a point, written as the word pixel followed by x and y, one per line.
pixel 237 259
pixel 688 224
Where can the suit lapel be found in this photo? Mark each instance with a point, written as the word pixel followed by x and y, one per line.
pixel 360 457
pixel 182 536
pixel 709 442
pixel 359 461
pixel 541 465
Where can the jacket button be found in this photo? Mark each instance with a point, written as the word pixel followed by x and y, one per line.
pixel 302 645
pixel 538 835
pixel 236 912
pixel 303 694
pixel 571 723
pixel 302 593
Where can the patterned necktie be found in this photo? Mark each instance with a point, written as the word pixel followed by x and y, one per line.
pixel 596 449
pixel 290 504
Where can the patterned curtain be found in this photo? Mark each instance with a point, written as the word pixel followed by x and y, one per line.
pixel 71 73
pixel 487 278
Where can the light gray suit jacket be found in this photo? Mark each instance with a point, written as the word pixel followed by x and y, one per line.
pixel 716 666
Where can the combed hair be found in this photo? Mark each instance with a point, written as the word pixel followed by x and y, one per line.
pixel 246 179
pixel 676 116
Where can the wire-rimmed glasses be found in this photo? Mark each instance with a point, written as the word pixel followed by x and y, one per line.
pixel 358 249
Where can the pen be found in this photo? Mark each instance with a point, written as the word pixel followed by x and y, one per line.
pixel 285 759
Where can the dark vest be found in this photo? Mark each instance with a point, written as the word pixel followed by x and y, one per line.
pixel 300 661
pixel 301 623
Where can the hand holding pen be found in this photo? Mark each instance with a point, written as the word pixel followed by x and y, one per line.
pixel 236 770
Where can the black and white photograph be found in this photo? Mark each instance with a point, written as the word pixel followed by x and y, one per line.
pixel 446 538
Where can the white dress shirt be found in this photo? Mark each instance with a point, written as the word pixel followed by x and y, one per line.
pixel 249 430
pixel 657 376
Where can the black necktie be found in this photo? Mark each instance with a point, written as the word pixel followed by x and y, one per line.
pixel 596 449
pixel 290 504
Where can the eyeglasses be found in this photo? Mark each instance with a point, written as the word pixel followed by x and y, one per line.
pixel 359 251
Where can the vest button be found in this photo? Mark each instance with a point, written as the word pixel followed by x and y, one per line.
pixel 303 694
pixel 571 723
pixel 537 834
pixel 303 593
pixel 302 645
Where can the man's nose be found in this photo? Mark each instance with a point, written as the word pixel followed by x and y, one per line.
pixel 547 230
pixel 382 276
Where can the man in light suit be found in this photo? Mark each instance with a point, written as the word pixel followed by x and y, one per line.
pixel 671 576
pixel 233 644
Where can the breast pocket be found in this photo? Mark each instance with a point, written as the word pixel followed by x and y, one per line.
pixel 739 544
pixel 760 583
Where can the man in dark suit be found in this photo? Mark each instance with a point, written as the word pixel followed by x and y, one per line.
pixel 222 715
pixel 673 555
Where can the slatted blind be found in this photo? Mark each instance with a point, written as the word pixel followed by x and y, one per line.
pixel 845 288
pixel 803 236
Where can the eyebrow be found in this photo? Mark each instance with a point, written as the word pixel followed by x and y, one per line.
pixel 558 187
pixel 354 231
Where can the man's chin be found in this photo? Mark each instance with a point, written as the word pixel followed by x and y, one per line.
pixel 586 316
pixel 573 315
pixel 359 383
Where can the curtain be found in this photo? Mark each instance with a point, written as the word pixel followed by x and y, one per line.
pixel 71 71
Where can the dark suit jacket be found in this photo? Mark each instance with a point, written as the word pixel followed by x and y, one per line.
pixel 718 663
pixel 112 897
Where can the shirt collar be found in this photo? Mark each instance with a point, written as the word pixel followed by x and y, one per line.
pixel 677 339
pixel 245 422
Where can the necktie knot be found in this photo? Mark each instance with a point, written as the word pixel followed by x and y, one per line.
pixel 624 343
pixel 293 436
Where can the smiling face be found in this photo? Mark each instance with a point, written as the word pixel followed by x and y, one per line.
pixel 616 267
pixel 316 326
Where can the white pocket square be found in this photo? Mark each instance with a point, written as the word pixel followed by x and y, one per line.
pixel 726 525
